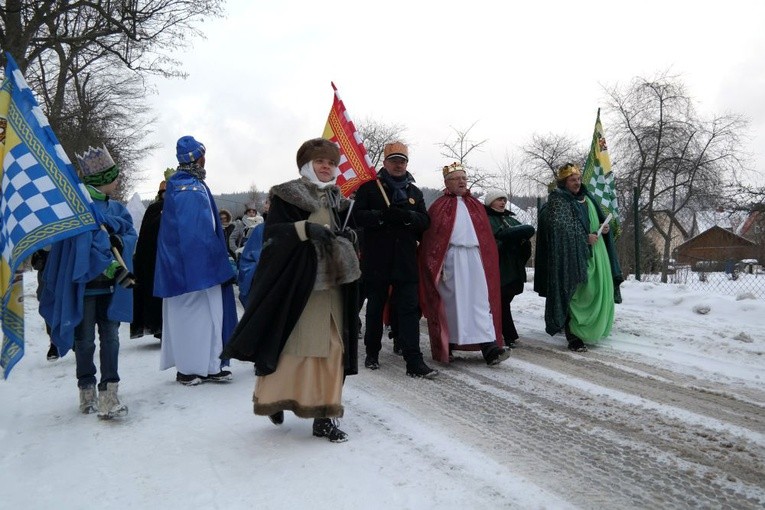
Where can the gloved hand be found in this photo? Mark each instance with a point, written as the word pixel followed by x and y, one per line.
pixel 517 233
pixel 116 242
pixel 348 234
pixel 395 216
pixel 124 278
pixel 322 235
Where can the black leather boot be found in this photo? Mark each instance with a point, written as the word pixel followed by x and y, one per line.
pixel 326 427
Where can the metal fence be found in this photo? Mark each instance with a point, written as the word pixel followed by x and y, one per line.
pixel 737 280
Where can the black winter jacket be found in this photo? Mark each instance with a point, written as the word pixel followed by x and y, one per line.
pixel 389 244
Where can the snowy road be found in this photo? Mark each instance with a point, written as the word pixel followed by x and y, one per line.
pixel 599 430
pixel 669 413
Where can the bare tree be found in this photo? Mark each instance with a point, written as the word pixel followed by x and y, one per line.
pixel 459 148
pixel 86 60
pixel 375 134
pixel 254 196
pixel 512 178
pixel 104 112
pixel 679 161
pixel 544 154
pixel 139 33
pixel 91 101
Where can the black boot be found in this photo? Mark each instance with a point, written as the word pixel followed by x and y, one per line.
pixel 277 418
pixel 52 353
pixel 416 367
pixel 326 427
pixel 494 354
pixel 371 362
pixel 574 342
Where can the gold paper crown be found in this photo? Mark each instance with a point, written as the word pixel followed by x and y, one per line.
pixel 568 170
pixel 454 167
pixel 95 161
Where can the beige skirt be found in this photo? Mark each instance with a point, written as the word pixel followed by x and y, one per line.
pixel 310 387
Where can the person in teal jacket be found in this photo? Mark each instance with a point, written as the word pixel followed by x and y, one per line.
pixel 514 251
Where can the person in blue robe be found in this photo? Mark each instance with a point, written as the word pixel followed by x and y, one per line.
pixel 87 283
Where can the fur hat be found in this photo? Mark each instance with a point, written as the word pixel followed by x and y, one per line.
pixel 226 212
pixel 396 150
pixel 188 149
pixel 492 195
pixel 317 148
pixel 250 207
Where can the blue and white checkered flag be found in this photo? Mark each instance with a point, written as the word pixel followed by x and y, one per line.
pixel 42 200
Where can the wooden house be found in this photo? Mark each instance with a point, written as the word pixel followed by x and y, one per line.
pixel 713 248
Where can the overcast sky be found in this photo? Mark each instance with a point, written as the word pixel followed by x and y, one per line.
pixel 259 84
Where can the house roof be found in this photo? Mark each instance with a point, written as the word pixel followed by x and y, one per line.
pixel 741 239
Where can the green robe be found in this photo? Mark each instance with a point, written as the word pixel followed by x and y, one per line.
pixel 565 265
pixel 592 306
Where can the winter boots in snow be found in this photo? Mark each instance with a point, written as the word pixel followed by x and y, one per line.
pixel 88 400
pixel 277 418
pixel 493 354
pixel 222 376
pixel 416 367
pixel 327 427
pixel 371 362
pixel 52 353
pixel 574 342
pixel 109 405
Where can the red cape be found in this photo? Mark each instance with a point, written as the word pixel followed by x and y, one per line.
pixel 432 252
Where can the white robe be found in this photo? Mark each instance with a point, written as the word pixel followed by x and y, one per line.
pixel 192 328
pixel 463 289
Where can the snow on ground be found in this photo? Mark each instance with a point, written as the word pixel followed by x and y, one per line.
pixel 197 447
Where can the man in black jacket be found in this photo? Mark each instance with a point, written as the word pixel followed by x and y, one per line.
pixel 392 212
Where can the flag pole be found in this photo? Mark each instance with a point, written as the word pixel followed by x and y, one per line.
pixel 382 192
pixel 118 256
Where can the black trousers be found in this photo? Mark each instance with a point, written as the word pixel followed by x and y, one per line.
pixel 405 313
pixel 508 292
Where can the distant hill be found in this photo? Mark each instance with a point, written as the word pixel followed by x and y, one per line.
pixel 236 203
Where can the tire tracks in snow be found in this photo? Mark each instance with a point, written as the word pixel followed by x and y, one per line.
pixel 585 442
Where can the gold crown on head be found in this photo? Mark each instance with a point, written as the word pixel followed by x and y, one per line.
pixel 95 160
pixel 567 171
pixel 454 167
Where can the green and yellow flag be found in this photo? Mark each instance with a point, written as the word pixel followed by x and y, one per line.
pixel 599 178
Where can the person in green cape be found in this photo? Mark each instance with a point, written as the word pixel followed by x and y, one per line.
pixel 577 270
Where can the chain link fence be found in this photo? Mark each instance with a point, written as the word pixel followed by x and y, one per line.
pixel 719 277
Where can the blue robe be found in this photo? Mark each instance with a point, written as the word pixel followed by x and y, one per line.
pixel 248 261
pixel 191 246
pixel 75 261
